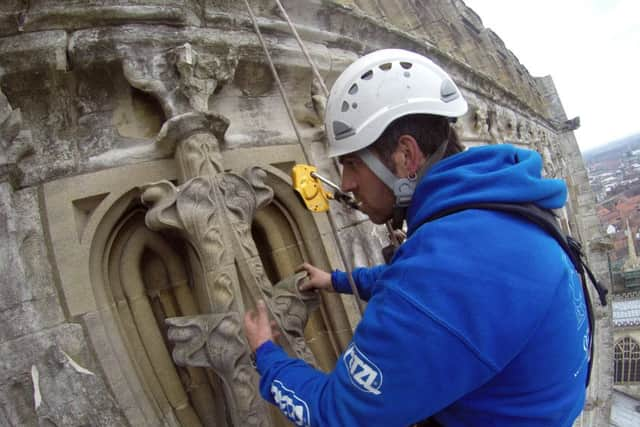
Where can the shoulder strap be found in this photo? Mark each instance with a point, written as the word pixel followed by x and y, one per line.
pixel 546 220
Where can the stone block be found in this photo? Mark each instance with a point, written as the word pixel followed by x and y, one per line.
pixel 30 317
pixel 25 272
pixel 50 377
pixel 18 355
pixel 10 16
pixel 45 50
pixel 107 44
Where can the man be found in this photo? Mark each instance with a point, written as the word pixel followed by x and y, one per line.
pixel 479 319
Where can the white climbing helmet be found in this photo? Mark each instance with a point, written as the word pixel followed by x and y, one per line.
pixel 381 87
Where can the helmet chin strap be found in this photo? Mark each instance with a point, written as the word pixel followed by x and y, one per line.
pixel 403 188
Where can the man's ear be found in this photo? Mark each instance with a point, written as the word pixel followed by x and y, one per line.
pixel 409 156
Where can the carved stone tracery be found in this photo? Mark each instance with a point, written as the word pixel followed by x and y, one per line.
pixel 213 210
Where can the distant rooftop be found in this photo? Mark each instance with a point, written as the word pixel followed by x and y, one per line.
pixel 624 410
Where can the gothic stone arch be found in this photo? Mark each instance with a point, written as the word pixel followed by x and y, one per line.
pixel 121 280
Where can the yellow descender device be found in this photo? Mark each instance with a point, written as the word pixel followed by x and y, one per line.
pixel 308 184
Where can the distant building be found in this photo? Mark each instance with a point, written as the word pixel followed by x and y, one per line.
pixel 625 409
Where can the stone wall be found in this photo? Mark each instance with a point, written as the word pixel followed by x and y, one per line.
pixel 90 94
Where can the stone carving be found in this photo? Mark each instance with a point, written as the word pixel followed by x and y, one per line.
pixel 506 127
pixel 181 80
pixel 210 209
pixel 480 123
pixel 263 193
pixel 570 125
pixel 318 102
pixel 508 124
pixel 14 144
pixel 549 169
pixel 214 340
pixel 167 212
pixel 492 124
pixel 213 211
pixel 291 309
pixel 196 211
pixel 201 211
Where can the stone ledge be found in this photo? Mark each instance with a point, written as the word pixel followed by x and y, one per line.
pixel 72 15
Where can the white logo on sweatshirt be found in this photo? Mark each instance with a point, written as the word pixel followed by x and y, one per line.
pixel 576 293
pixel 291 405
pixel 364 374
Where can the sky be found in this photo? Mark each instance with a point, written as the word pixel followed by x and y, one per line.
pixel 591 48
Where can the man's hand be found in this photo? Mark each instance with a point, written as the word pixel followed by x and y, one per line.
pixel 257 327
pixel 316 278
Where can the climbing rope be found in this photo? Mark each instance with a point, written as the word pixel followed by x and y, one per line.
pixel 285 100
pixel 303 47
pixel 276 76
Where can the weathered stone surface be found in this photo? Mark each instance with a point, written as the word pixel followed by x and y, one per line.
pixel 48 378
pixel 89 86
pixel 30 317
pixel 15 143
pixel 47 50
pixel 25 273
pixel 365 241
pixel 37 15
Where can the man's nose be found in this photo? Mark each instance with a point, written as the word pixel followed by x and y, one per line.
pixel 347 183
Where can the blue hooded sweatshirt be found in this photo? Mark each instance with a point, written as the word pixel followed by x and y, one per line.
pixel 479 320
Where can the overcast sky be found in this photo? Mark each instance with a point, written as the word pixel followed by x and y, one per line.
pixel 591 48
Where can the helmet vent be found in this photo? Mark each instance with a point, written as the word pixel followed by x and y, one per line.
pixel 353 89
pixel 368 75
pixel 345 106
pixel 406 65
pixel 342 130
pixel 385 67
pixel 448 91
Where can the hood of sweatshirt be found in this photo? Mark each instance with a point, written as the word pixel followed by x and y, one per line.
pixel 496 173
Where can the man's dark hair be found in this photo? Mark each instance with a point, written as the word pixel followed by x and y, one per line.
pixel 429 131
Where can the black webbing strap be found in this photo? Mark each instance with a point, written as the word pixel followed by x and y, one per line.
pixel 547 220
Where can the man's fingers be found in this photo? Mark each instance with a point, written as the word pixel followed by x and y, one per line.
pixel 304 285
pixel 262 315
pixel 302 267
pixel 251 317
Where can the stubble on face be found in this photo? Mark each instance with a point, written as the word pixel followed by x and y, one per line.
pixel 376 199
